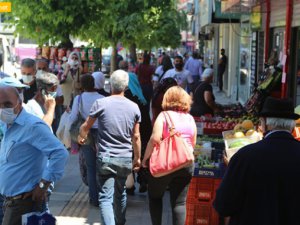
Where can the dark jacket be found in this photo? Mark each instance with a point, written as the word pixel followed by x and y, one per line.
pixel 262 183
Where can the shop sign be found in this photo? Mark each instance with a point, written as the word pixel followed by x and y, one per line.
pixel 5 7
pixel 205 12
pixel 255 18
pixel 220 14
pixel 280 23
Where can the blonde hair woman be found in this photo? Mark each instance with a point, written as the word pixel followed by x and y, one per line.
pixel 177 104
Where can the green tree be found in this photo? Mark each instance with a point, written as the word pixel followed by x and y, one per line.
pixel 54 20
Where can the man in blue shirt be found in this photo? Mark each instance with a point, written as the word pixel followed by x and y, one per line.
pixel 26 147
pixel 194 65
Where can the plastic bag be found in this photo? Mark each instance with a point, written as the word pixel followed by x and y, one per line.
pixel 37 218
pixel 63 130
pixel 129 181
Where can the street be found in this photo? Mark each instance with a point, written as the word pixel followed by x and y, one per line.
pixel 69 202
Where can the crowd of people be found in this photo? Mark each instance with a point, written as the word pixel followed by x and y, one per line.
pixel 119 123
pixel 119 131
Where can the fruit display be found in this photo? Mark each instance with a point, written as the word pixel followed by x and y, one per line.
pixel 243 133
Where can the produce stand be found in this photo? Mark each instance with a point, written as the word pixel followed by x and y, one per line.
pixel 216 135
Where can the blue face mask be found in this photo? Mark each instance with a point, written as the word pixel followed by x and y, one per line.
pixel 7 115
pixel 51 93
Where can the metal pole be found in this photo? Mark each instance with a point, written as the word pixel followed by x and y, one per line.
pixel 267 37
pixel 288 26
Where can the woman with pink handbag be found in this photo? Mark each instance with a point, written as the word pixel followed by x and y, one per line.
pixel 174 132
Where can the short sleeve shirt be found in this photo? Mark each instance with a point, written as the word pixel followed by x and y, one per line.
pixel 200 107
pixel 116 119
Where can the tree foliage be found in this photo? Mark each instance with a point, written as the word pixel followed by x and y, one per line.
pixel 142 23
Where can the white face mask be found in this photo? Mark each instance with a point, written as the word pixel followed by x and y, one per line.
pixel 27 79
pixel 7 115
pixel 73 63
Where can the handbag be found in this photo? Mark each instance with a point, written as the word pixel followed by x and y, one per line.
pixel 75 126
pixel 171 154
pixel 38 218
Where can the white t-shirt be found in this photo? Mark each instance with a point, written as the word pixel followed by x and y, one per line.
pixel 182 77
pixel 87 101
pixel 157 74
pixel 34 108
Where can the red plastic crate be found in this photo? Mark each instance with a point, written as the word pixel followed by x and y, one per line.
pixel 199 207
pixel 198 214
pixel 201 189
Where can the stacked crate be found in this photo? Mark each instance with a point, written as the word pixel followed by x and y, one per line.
pixel 199 201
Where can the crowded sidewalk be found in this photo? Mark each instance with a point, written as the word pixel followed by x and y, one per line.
pixel 69 202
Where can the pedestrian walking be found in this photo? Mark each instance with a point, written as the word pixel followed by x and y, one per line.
pixel 28 71
pixel 261 184
pixel 118 136
pixel 11 82
pixel 176 103
pixel 81 107
pixel 194 65
pixel 221 68
pixel 145 71
pixel 99 79
pixel 31 158
pixel 182 76
pixel 135 94
pixel 160 71
pixel 70 80
pixel 43 103
pixel 43 65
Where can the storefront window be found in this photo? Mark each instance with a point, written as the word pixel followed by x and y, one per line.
pixel 245 62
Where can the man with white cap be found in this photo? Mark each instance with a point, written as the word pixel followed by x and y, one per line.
pixel 43 103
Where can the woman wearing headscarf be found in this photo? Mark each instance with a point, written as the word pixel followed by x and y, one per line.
pixel 70 80
pixel 99 78
pixel 135 94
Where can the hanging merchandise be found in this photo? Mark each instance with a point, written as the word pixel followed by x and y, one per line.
pixel 38 52
pixel 84 54
pixel 53 53
pixel 61 53
pixel 46 52
pixel 91 54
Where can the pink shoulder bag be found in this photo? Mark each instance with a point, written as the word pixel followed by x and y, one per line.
pixel 172 154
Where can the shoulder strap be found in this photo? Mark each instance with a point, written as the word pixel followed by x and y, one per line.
pixel 159 79
pixel 79 104
pixel 169 123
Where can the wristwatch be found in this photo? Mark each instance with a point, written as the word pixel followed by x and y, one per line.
pixel 42 185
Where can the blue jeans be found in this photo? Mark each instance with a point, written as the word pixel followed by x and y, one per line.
pixel 90 159
pixel 112 174
pixel 1 208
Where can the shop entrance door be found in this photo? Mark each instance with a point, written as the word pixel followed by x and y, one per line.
pixel 278 40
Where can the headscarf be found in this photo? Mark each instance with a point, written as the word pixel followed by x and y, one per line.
pixel 70 60
pixel 99 80
pixel 135 88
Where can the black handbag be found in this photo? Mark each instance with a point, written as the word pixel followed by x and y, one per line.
pixel 74 129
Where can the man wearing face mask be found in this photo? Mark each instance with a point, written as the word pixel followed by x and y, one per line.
pixel 26 147
pixel 43 103
pixel 181 75
pixel 43 64
pixel 28 72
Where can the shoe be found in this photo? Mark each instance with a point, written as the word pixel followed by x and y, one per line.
pixel 95 204
pixel 130 191
pixel 143 188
